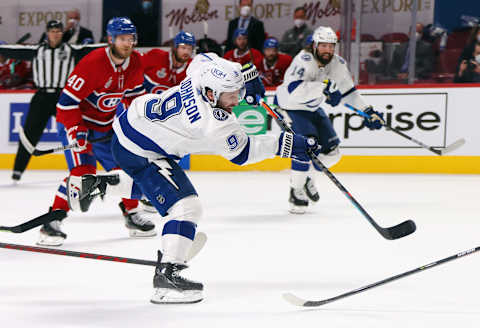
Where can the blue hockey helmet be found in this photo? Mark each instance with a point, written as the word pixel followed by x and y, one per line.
pixel 270 43
pixel 121 25
pixel 309 39
pixel 238 32
pixel 184 38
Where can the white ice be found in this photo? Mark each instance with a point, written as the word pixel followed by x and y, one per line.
pixel 255 252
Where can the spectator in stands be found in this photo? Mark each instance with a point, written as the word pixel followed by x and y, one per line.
pixel 74 33
pixel 424 58
pixel 294 39
pixel 274 64
pixel 468 68
pixel 254 27
pixel 13 73
pixel 242 53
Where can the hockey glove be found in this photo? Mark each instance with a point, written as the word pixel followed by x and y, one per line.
pixel 77 135
pixel 253 85
pixel 296 146
pixel 332 93
pixel 375 120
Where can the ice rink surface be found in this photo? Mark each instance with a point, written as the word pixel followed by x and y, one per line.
pixel 255 252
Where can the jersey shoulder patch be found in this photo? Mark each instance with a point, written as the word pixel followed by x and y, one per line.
pixel 341 60
pixel 220 114
pixel 306 57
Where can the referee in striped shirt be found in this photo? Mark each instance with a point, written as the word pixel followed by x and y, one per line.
pixel 53 61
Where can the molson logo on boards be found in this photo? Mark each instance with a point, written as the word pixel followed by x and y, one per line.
pixel 18 113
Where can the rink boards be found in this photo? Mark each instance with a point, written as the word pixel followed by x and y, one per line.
pixel 435 115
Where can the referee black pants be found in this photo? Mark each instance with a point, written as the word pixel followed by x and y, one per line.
pixel 42 107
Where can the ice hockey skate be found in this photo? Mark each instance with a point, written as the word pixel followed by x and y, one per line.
pixel 171 288
pixel 311 190
pixel 51 234
pixel 137 225
pixel 298 201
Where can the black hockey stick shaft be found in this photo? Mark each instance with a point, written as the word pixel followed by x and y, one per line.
pixel 38 221
pixel 401 230
pixel 400 133
pixel 24 38
pixel 77 254
pixel 393 278
pixel 38 152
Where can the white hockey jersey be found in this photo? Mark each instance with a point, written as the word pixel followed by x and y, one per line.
pixel 302 87
pixel 180 122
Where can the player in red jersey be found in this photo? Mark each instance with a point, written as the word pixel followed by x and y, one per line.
pixel 85 110
pixel 164 69
pixel 274 64
pixel 242 53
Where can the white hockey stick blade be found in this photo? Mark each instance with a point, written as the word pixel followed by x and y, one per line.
pixel 198 243
pixel 292 299
pixel 454 146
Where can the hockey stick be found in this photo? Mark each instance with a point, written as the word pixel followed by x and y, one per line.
pixel 454 146
pixel 37 152
pixel 401 230
pixel 24 38
pixel 198 243
pixel 295 300
pixel 38 221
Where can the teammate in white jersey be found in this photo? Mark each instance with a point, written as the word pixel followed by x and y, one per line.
pixel 194 117
pixel 301 96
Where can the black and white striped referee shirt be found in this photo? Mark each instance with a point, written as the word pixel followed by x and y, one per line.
pixel 51 66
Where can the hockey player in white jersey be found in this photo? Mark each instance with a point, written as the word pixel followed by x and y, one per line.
pixel 194 117
pixel 317 75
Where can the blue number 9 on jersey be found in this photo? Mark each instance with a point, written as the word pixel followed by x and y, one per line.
pixel 158 109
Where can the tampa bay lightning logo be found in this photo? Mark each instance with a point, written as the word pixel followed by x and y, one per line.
pixel 220 114
pixel 306 57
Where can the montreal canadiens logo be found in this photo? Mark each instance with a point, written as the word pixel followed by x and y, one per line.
pixel 109 102
pixel 220 114
pixel 158 89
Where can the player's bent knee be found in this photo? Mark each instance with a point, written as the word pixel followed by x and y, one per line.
pixel 125 186
pixel 187 209
pixel 331 158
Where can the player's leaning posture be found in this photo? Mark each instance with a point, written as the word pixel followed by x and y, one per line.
pixel 165 69
pixel 86 108
pixel 194 117
pixel 302 94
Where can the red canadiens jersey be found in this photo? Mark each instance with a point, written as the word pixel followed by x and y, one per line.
pixel 13 73
pixel 160 74
pixel 96 86
pixel 273 76
pixel 252 55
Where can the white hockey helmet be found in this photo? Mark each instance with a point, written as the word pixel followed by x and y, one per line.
pixel 221 76
pixel 324 34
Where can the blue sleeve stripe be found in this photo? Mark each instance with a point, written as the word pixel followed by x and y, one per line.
pixel 183 228
pixel 139 139
pixel 66 100
pixel 293 85
pixel 349 92
pixel 243 156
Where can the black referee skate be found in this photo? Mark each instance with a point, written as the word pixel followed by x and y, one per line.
pixel 137 225
pixel 298 201
pixel 310 190
pixel 171 288
pixel 51 233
